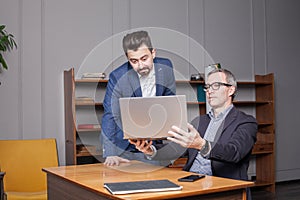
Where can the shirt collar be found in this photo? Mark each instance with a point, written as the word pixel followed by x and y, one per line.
pixel 222 114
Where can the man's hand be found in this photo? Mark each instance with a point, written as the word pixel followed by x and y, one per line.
pixel 190 139
pixel 115 160
pixel 142 145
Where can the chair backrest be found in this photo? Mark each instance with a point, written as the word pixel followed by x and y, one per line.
pixel 23 160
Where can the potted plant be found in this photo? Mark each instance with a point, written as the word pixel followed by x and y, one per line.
pixel 7 43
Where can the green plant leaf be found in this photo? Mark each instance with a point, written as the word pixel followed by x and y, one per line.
pixel 7 43
pixel 2 48
pixel 2 62
pixel 2 27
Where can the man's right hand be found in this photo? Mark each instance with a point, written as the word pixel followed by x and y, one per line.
pixel 142 145
pixel 114 160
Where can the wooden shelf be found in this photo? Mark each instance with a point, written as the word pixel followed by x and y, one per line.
pixel 91 80
pixel 189 82
pixel 254 82
pixel 84 154
pixel 265 123
pixel 262 184
pixel 238 82
pixel 88 130
pixel 260 148
pixel 251 102
pixel 71 132
pixel 195 103
pixel 235 102
pixel 77 103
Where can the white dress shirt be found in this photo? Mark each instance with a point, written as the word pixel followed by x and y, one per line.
pixel 148 85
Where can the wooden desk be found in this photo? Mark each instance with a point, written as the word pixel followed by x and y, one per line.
pixel 86 182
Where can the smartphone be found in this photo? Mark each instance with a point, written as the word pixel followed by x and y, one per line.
pixel 191 178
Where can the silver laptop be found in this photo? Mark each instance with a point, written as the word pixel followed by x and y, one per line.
pixel 152 117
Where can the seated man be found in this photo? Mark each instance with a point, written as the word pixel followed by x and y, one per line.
pixel 218 143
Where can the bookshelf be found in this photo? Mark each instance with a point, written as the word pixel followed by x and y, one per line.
pixel 263 104
pixel 82 143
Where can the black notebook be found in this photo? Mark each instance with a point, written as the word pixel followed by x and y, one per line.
pixel 141 186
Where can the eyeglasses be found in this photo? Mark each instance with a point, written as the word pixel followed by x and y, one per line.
pixel 215 86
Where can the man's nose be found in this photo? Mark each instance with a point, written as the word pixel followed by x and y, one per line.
pixel 209 90
pixel 141 64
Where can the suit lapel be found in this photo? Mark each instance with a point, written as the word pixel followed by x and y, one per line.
pixel 134 82
pixel 158 79
pixel 232 115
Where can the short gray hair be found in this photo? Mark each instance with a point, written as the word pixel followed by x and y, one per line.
pixel 230 78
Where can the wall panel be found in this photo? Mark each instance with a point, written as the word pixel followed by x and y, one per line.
pixel 228 35
pixel 10 88
pixel 31 56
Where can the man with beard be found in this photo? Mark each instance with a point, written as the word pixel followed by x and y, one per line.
pixel 144 75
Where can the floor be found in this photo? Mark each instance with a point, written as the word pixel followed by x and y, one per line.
pixel 289 190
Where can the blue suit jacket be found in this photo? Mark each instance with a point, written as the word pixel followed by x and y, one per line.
pixel 124 82
pixel 230 154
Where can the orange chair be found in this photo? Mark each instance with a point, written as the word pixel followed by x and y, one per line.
pixel 21 163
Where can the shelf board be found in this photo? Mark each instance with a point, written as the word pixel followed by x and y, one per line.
pixel 238 82
pixel 188 103
pixel 265 123
pixel 96 80
pixel 189 82
pixel 91 80
pixel 261 152
pixel 88 103
pixel 263 147
pixel 235 102
pixel 84 154
pixel 251 102
pixel 88 130
pixel 262 183
pixel 254 83
pixel 195 103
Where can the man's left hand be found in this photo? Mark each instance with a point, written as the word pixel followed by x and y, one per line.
pixel 190 139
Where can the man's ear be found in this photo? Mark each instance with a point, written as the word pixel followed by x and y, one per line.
pixel 232 90
pixel 153 53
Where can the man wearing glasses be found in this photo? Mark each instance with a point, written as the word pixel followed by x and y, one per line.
pixel 218 143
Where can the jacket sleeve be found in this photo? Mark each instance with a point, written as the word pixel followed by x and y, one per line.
pixel 111 125
pixel 169 151
pixel 238 144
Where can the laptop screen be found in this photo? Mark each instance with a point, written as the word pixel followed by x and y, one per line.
pixel 152 117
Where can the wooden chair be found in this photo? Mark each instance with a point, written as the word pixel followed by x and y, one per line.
pixel 21 163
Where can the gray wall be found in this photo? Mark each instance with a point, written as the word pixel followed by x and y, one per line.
pixel 246 36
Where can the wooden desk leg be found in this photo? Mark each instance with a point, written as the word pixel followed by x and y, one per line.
pixel 244 195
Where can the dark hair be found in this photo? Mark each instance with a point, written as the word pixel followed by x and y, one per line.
pixel 230 78
pixel 133 41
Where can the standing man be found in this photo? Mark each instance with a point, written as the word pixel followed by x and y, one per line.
pixel 218 143
pixel 143 75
